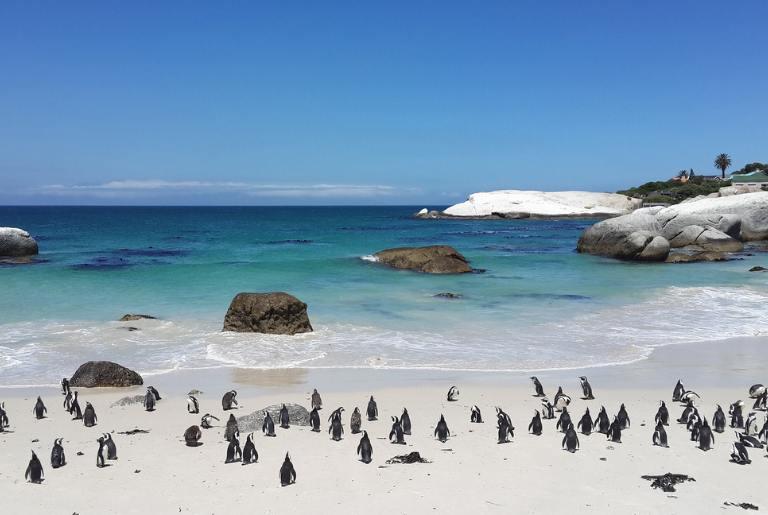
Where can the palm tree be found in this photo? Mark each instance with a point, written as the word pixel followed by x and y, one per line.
pixel 722 162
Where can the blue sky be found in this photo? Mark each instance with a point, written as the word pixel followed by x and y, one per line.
pixel 396 103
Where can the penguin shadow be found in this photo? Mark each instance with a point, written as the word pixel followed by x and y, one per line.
pixel 194 444
pixel 104 466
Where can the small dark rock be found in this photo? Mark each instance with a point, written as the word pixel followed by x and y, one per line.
pixel 448 295
pixel 668 481
pixel 413 457
pixel 134 317
pixel 758 269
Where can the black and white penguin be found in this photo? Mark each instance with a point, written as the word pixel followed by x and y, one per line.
pixel 678 391
pixel 314 420
pixel 475 416
pixel 34 473
pixel 537 387
pixel 317 402
pixel 100 453
pixel 453 394
pixel 287 472
pixel 285 419
pixel 231 429
pixel 74 409
pixel 694 426
pixel 441 430
pixel 585 423
pixel 737 419
pixel 89 415
pixel 586 389
pixel 749 440
pixel 268 427
pixel 149 400
pixel 740 454
pixel 3 417
pixel 193 406
pixel 336 429
pixel 763 434
pixel 250 455
pixel 229 401
pixel 396 433
pixel 662 415
pixel 757 390
pixel 761 403
pixel 373 410
pixel 155 393
pixel 614 431
pixel 535 427
pixel 602 422
pixel 64 386
pixel 660 435
pixel 623 417
pixel 690 395
pixel 561 400
pixel 687 412
pixel 547 409
pixel 192 436
pixel 504 425
pixel 68 401
pixel 564 421
pixel 39 410
pixel 234 452
pixel 206 421
pixel 355 421
pixel 706 437
pixel 58 459
pixel 718 419
pixel 405 421
pixel 111 447
pixel 570 440
pixel 365 449
pixel 751 426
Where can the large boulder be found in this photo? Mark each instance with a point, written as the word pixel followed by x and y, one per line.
pixel 435 259
pixel 705 238
pixel 298 416
pixel 632 237
pixel 104 373
pixel 272 313
pixel 16 243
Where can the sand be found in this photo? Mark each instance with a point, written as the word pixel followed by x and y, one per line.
pixel 157 473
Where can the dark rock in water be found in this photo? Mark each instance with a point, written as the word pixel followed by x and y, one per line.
pixel 132 317
pixel 434 259
pixel 128 401
pixel 413 457
pixel 104 374
pixel 271 313
pixel 696 257
pixel 16 243
pixel 298 415
pixel 758 269
pixel 149 252
pixel 448 295
pixel 668 481
pixel 103 263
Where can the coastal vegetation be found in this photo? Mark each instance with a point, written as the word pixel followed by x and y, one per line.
pixel 674 190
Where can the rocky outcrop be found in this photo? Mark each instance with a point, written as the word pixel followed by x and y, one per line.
pixel 435 259
pixel 298 415
pixel 632 237
pixel 132 317
pixel 751 209
pixel 104 374
pixel 16 243
pixel 696 257
pixel 271 313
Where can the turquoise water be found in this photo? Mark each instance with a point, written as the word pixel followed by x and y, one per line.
pixel 537 305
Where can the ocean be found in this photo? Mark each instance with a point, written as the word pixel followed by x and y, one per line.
pixel 535 303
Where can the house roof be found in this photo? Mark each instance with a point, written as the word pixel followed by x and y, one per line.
pixel 756 176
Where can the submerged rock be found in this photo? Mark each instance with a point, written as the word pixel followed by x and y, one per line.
pixel 298 415
pixel 16 243
pixel 448 295
pixel 758 269
pixel 134 317
pixel 696 257
pixel 434 259
pixel 271 313
pixel 104 374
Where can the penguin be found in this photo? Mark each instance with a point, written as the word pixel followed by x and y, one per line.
pixel 364 448
pixel 690 395
pixel 287 472
pixel 149 400
pixel 763 434
pixel 749 441
pixel 694 426
pixel 614 431
pixel 441 430
pixel 3 417
pixel 757 390
pixel 564 421
pixel 317 402
pixel 623 417
pixel 662 415
pixel 64 386
pixel 373 410
pixel 192 436
pixel 602 423
pixel 111 447
pixel 678 391
pixel 58 459
pixel 547 410
pixel 68 402
pixel 234 452
pixel 268 427
pixel 537 387
pixel 740 454
pixel 405 421
pixel 453 394
pixel 660 435
pixel 586 389
pixel 155 393
pixel 561 400
pixel 285 419
pixel 355 421
pixel 314 420
pixel 475 416
pixel 89 415
pixel 761 403
pixel 74 409
pixel 737 419
pixel 231 429
pixel 718 419
pixel 504 425
pixel 34 473
pixel 396 432
pixel 570 440
pixel 250 455
pixel 39 410
pixel 336 430
pixel 229 401
pixel 206 422
pixel 751 426
pixel 100 453
pixel 686 414
pixel 585 423
pixel 193 406
pixel 705 437
pixel 535 427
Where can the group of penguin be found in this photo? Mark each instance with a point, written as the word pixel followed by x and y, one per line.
pixel 751 434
